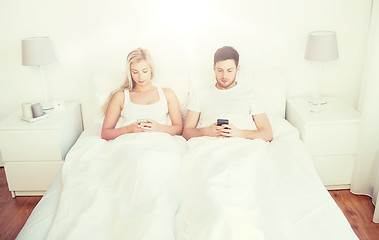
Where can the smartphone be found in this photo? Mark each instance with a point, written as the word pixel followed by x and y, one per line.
pixel 222 121
pixel 141 120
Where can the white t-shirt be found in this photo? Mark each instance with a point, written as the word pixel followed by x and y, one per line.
pixel 237 104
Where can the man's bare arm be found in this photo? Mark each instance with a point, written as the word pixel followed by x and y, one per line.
pixel 264 130
pixel 191 131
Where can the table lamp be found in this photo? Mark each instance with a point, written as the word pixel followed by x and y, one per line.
pixel 38 51
pixel 321 47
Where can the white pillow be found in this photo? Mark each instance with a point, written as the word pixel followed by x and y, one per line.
pixel 270 84
pixel 179 82
pixel 104 82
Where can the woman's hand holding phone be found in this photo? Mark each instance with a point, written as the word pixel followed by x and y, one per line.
pixel 148 125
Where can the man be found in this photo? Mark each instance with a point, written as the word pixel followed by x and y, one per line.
pixel 227 100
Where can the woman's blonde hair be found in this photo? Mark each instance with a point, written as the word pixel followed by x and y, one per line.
pixel 137 55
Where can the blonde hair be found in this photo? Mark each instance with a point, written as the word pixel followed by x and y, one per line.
pixel 137 55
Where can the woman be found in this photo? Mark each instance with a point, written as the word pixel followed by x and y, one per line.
pixel 130 184
pixel 144 107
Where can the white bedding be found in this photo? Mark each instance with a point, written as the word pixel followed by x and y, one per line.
pixel 242 189
pixel 121 189
pixel 229 189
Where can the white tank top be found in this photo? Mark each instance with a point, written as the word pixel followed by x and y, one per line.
pixel 157 111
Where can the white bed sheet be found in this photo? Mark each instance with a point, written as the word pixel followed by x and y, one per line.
pixel 230 189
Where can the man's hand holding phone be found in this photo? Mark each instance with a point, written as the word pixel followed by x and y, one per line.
pixel 223 127
pixel 227 130
pixel 221 122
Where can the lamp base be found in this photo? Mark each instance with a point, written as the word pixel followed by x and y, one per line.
pixel 47 106
pixel 322 101
pixel 316 103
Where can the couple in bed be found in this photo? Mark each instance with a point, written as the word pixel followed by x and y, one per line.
pixel 156 185
pixel 145 108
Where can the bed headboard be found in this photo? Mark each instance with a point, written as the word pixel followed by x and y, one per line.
pixel 268 82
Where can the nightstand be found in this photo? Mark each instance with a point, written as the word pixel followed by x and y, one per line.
pixel 331 137
pixel 34 152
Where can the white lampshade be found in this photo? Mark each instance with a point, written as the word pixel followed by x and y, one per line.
pixel 321 46
pixel 37 51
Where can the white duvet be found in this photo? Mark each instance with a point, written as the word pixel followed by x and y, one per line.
pixel 121 189
pixel 159 187
pixel 242 189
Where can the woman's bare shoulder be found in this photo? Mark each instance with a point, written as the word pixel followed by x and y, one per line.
pixel 168 92
pixel 119 94
pixel 118 97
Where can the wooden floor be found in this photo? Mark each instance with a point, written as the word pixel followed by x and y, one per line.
pixel 359 211
pixel 14 212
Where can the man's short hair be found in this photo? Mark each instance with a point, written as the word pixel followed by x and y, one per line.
pixel 226 53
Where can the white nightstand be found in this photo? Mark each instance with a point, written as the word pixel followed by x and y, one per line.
pixel 34 152
pixel 331 137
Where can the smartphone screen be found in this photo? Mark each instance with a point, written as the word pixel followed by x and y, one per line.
pixel 222 121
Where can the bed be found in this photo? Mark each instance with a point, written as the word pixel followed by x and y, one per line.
pixel 157 186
